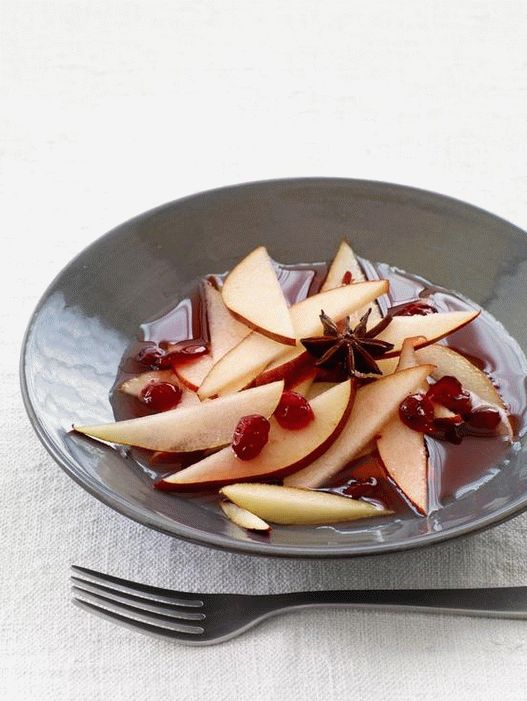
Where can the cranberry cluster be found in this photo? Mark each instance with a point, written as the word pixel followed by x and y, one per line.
pixel 252 432
pixel 417 412
pixel 162 396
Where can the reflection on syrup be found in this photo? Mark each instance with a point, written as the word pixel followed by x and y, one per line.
pixel 453 468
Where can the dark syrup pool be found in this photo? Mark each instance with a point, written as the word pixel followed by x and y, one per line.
pixel 454 469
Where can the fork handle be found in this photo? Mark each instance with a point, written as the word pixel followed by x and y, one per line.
pixel 499 602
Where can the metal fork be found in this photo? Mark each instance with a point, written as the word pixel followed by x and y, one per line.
pixel 206 619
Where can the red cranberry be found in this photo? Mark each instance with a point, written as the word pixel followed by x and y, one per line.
pixel 449 392
pixel 293 411
pixel 347 278
pixel 150 356
pixel 161 396
pixel 417 412
pixel 484 419
pixel 420 308
pixel 361 487
pixel 250 436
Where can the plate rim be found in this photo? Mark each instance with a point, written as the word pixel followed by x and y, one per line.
pixel 224 542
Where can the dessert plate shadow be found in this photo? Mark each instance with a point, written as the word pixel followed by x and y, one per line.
pixel 94 308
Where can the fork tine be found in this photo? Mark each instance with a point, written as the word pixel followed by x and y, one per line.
pixel 134 615
pixel 138 626
pixel 144 591
pixel 174 611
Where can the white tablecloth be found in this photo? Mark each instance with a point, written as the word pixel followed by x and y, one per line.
pixel 109 108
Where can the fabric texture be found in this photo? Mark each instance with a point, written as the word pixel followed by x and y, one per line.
pixel 110 108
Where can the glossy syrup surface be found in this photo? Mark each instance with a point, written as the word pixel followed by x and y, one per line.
pixel 454 469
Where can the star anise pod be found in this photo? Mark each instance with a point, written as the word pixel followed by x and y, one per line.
pixel 353 351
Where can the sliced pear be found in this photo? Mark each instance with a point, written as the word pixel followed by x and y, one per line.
pixel 253 295
pixel 303 387
pixel 207 425
pixel 247 360
pixel 319 388
pixel 225 332
pixel 374 405
pixel 290 506
pixel 240 366
pixel 243 518
pixel 388 365
pixel 407 356
pixel 296 361
pixel 285 451
pixel 135 385
pixel 432 327
pixel 345 261
pixel 368 449
pixel 192 373
pixel 449 362
pixel 402 450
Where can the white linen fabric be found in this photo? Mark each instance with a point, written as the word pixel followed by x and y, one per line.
pixel 109 108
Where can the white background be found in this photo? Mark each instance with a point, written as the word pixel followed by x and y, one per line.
pixel 110 108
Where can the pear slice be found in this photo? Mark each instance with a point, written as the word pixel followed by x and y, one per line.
pixel 403 450
pixel 207 425
pixel 303 386
pixel 224 333
pixel 432 327
pixel 344 262
pixel 253 295
pixel 284 452
pixel 374 405
pixel 243 518
pixel 388 365
pixel 135 386
pixel 290 506
pixel 192 373
pixel 294 362
pixel 449 362
pixel 408 359
pixel 319 388
pixel 244 362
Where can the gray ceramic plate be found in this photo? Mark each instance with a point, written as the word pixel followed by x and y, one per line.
pixel 93 309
